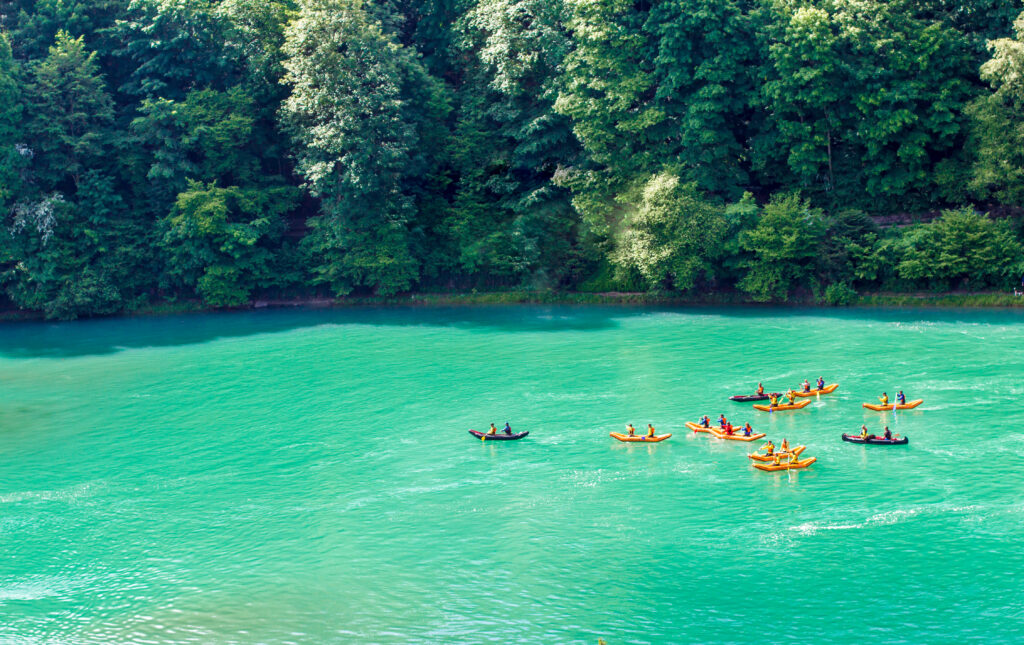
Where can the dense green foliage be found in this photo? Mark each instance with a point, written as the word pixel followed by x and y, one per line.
pixel 228 150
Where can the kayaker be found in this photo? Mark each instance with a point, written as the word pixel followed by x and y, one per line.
pixel 863 432
pixel 728 429
pixel 493 430
pixel 760 389
pixel 706 421
pixel 821 383
pixel 784 447
pixel 807 385
pixel 769 448
pixel 650 431
pixel 888 434
pixel 722 421
pixel 773 401
pixel 775 459
pixel 791 395
pixel 901 398
pixel 631 429
pixel 507 428
pixel 747 430
pixel 884 398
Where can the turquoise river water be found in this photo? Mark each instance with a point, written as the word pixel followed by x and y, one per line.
pixel 307 477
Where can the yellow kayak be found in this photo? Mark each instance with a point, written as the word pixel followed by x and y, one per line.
pixel 828 389
pixel 644 439
pixel 783 406
pixel 878 407
pixel 769 458
pixel 736 437
pixel 785 465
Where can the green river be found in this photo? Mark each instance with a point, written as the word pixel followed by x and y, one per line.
pixel 307 477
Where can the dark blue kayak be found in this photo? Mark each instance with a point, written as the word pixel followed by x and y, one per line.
pixel 876 441
pixel 501 436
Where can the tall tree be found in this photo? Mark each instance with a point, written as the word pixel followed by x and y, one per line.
pixel 997 125
pixel 356 142
pixel 72 115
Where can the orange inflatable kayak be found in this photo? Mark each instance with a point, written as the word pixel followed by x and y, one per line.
pixel 626 437
pixel 878 407
pixel 828 389
pixel 783 406
pixel 696 427
pixel 737 437
pixel 784 465
pixel 769 458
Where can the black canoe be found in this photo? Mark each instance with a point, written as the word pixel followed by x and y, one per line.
pixel 501 436
pixel 876 441
pixel 743 398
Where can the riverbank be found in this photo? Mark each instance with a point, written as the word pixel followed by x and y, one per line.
pixel 963 300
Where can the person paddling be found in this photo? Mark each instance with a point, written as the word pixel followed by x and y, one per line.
pixel 888 434
pixel 706 421
pixel 863 432
pixel 493 430
pixel 901 398
pixel 769 448
pixel 747 430
pixel 773 401
pixel 631 429
pixel 791 395
pixel 722 422
pixel 760 389
pixel 784 447
pixel 821 383
pixel 507 428
pixel 884 398
pixel 807 385
pixel 650 431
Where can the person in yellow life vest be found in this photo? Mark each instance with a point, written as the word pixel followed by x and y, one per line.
pixel 631 429
pixel 884 398
pixel 863 432
pixel 493 430
pixel 650 431
pixel 774 401
pixel 785 446
pixel 769 449
pixel 775 459
pixel 760 389
pixel 791 395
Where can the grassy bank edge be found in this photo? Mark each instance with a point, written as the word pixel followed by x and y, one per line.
pixel 922 300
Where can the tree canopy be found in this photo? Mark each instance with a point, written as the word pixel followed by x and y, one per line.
pixel 226 150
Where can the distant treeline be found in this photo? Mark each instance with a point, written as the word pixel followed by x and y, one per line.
pixel 154 150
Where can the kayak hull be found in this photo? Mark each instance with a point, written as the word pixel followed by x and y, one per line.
pixel 828 389
pixel 797 465
pixel 876 441
pixel 696 427
pixel 782 407
pixel 629 439
pixel 878 407
pixel 498 437
pixel 737 437
pixel 768 459
pixel 746 398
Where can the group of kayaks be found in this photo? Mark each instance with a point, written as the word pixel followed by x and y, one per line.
pixel 769 460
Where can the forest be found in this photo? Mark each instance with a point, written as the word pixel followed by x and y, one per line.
pixel 220 151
